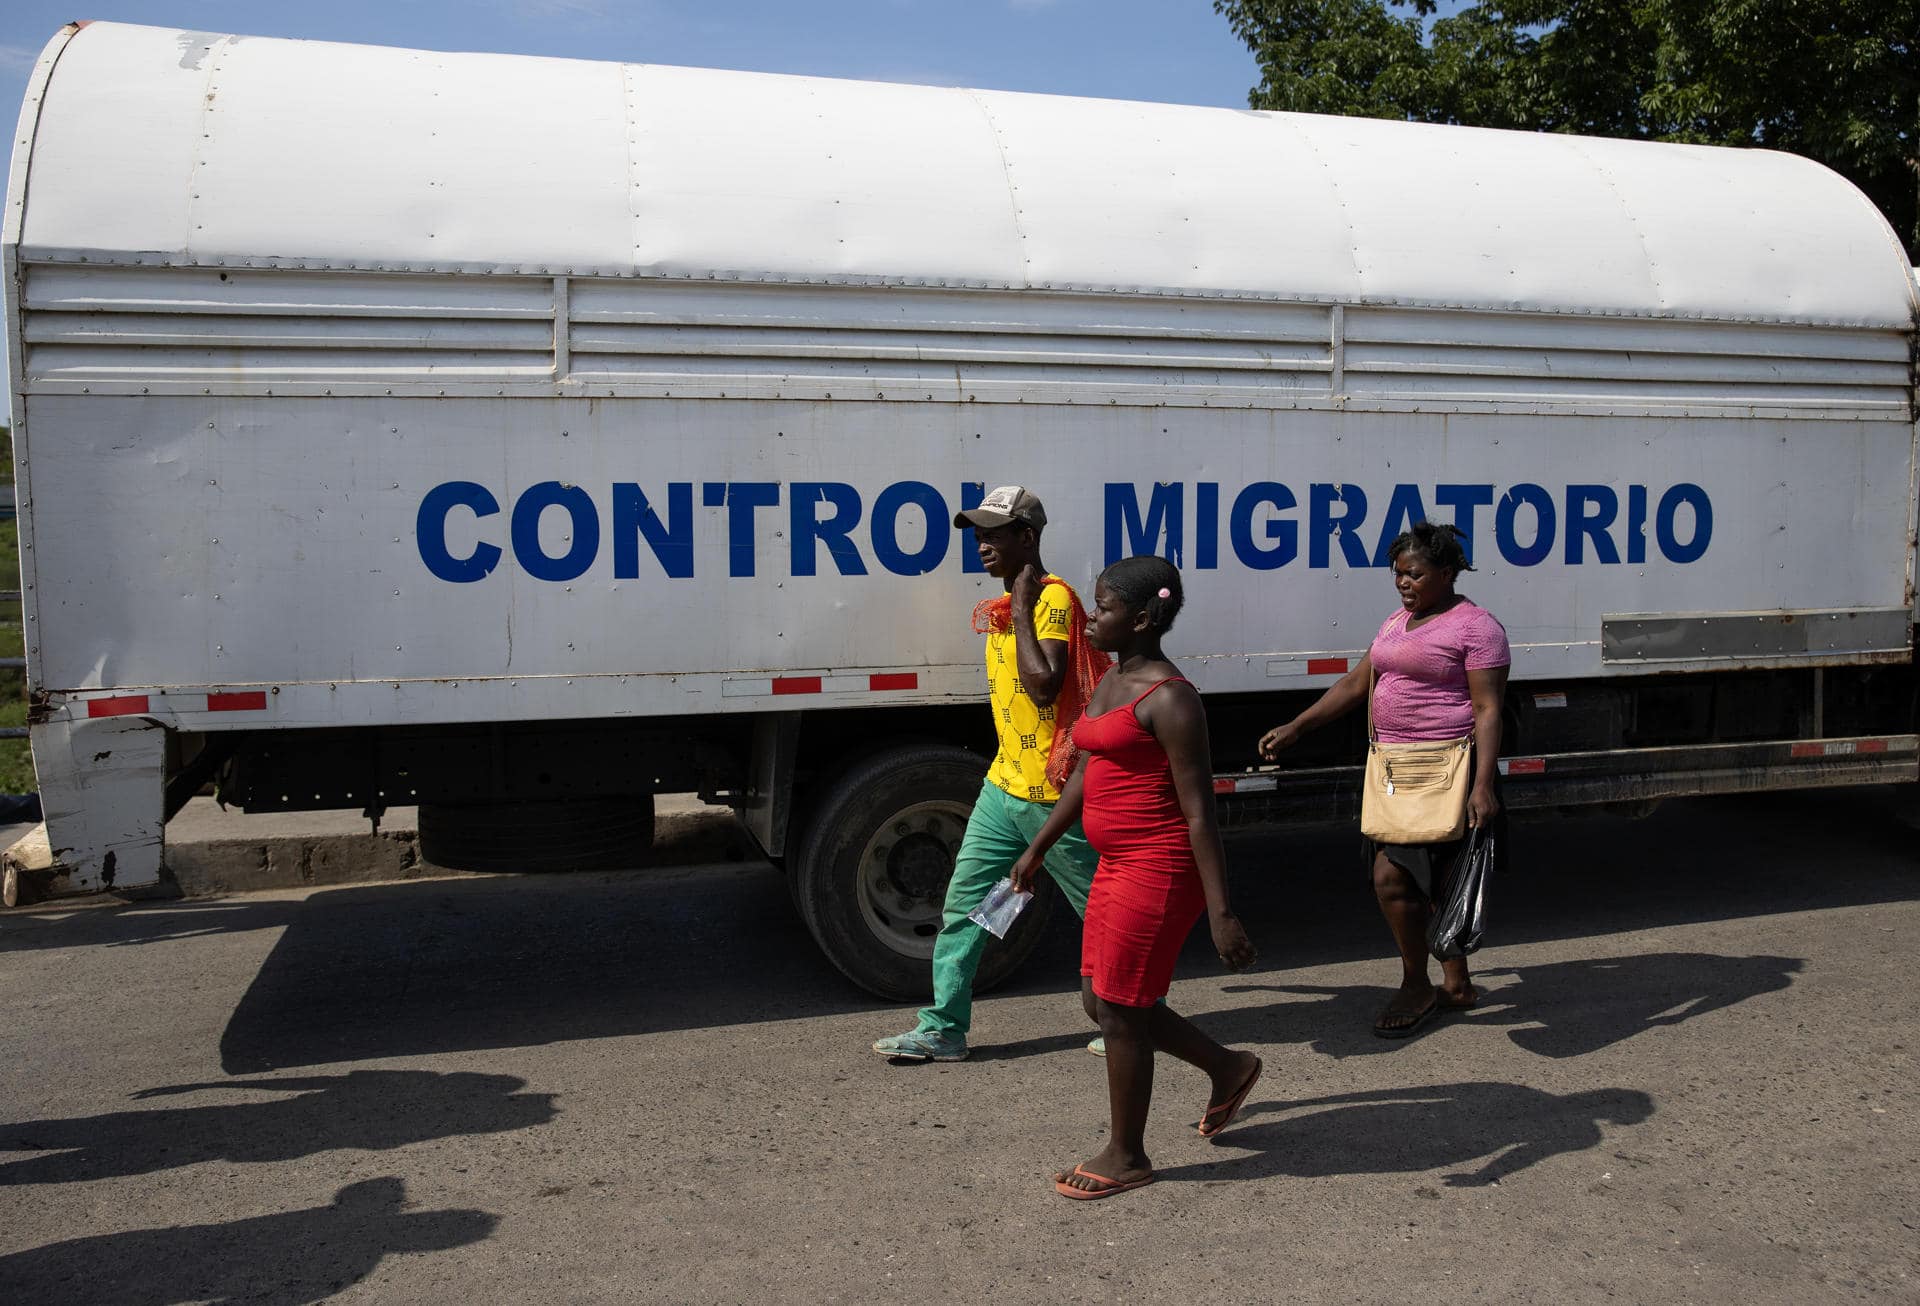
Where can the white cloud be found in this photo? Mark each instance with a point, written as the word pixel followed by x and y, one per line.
pixel 17 58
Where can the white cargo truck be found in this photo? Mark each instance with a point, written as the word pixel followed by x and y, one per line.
pixel 520 438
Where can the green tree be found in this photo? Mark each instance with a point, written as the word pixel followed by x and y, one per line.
pixel 1835 80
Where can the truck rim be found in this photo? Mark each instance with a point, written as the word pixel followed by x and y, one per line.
pixel 904 870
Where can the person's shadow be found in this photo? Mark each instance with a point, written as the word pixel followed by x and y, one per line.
pixel 1557 1009
pixel 366 1109
pixel 1571 1008
pixel 1503 1127
pixel 269 1260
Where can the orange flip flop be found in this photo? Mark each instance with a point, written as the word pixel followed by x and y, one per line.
pixel 1230 1108
pixel 1113 1186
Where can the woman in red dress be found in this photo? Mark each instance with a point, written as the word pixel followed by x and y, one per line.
pixel 1144 791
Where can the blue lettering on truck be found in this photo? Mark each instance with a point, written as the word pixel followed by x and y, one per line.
pixel 831 528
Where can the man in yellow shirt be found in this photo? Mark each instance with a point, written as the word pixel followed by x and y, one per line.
pixel 1031 634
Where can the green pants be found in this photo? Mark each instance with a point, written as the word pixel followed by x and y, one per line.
pixel 998 832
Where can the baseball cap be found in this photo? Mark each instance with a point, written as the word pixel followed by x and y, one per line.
pixel 1007 503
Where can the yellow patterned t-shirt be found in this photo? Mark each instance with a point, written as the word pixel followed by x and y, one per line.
pixel 1026 731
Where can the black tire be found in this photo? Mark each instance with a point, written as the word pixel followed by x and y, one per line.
pixel 590 834
pixel 871 874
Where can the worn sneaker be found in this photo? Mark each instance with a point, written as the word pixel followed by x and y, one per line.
pixel 1098 1047
pixel 923 1045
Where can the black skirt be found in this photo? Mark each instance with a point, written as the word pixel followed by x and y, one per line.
pixel 1428 863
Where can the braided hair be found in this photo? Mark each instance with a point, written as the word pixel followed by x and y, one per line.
pixel 1148 582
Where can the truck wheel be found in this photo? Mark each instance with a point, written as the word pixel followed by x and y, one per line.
pixel 872 872
pixel 590 834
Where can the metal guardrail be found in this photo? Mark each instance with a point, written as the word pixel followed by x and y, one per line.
pixel 13 732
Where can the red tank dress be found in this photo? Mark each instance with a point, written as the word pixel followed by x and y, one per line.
pixel 1147 893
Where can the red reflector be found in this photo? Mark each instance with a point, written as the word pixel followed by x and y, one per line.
pixel 1326 666
pixel 252 700
pixel 796 684
pixel 1839 747
pixel 1526 765
pixel 899 680
pixel 131 705
pixel 1223 786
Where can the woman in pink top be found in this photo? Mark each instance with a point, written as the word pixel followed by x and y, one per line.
pixel 1442 664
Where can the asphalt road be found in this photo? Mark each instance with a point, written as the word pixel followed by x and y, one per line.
pixel 1692 1080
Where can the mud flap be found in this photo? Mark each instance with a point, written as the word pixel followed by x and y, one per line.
pixel 103 792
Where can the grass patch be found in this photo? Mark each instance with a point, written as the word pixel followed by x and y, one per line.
pixel 16 758
pixel 11 641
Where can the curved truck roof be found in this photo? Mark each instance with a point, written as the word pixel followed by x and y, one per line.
pixel 159 146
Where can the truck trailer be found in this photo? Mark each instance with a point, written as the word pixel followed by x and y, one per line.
pixel 521 438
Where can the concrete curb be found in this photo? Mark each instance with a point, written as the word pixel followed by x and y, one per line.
pixel 223 866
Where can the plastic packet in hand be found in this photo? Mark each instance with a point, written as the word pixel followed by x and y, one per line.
pixel 1459 923
pixel 1003 904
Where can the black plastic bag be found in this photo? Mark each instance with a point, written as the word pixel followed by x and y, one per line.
pixel 1459 924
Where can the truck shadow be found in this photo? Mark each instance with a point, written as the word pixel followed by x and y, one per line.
pixel 103 926
pixel 439 966
pixel 1480 1132
pixel 275 1260
pixel 368 1110
pixel 523 961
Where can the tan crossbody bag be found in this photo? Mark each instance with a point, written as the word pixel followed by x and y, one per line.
pixel 1414 793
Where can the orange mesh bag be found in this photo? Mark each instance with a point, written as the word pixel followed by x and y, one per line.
pixel 1085 665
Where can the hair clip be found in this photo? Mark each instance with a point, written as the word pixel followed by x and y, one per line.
pixel 1165 593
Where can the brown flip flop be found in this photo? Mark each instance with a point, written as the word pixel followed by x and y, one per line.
pixel 1230 1108
pixel 1113 1186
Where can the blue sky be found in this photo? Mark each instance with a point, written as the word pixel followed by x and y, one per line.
pixel 1173 50
pixel 1178 51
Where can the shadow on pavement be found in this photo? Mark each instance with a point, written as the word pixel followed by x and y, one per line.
pixel 275 1260
pixel 400 970
pixel 449 965
pixel 1560 1009
pixel 372 1110
pixel 1308 899
pixel 56 926
pixel 1504 1128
